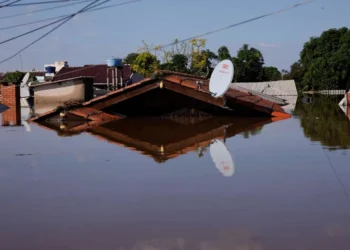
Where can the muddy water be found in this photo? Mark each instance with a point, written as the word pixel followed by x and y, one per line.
pixel 153 185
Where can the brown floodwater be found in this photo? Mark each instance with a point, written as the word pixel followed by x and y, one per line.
pixel 152 184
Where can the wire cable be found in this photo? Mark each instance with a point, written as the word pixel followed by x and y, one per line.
pixel 15 4
pixel 10 4
pixel 44 9
pixel 337 176
pixel 47 33
pixel 87 8
pixel 44 26
pixel 62 16
pixel 240 23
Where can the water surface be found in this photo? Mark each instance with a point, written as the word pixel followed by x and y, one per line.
pixel 151 184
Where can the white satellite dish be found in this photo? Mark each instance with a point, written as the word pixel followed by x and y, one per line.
pixel 221 78
pixel 3 108
pixel 222 158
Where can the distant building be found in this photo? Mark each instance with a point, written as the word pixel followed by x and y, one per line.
pixel 98 72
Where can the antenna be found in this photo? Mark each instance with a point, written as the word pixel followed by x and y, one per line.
pixel 221 78
pixel 222 158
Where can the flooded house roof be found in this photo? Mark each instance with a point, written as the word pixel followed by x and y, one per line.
pixel 168 91
pixel 98 71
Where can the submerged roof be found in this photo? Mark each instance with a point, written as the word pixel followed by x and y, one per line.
pixel 274 88
pixel 187 85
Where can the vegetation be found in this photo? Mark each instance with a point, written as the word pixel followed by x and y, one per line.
pixel 146 64
pixel 324 61
pixel 14 77
pixel 17 76
pixel 322 120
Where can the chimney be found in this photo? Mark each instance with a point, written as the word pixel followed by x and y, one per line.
pixel 10 97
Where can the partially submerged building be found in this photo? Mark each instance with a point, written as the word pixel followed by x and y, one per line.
pixel 171 94
pixel 283 92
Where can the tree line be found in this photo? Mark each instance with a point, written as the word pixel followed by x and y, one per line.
pixel 324 61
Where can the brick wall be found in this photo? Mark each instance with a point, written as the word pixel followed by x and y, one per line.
pixel 10 96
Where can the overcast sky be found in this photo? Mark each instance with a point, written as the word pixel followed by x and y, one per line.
pixel 93 37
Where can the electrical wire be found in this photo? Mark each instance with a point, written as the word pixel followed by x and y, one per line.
pixel 9 4
pixel 44 26
pixel 87 8
pixel 15 4
pixel 57 17
pixel 337 176
pixel 44 9
pixel 47 33
pixel 237 24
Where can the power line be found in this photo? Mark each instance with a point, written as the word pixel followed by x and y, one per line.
pixel 62 16
pixel 240 23
pixel 44 26
pixel 15 4
pixel 47 33
pixel 44 9
pixel 9 4
pixel 336 176
pixel 86 8
pixel 32 31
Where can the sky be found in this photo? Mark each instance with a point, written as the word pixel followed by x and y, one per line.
pixel 92 38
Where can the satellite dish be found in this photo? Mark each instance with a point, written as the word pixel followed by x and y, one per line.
pixel 222 158
pixel 24 86
pixel 221 78
pixel 3 108
pixel 25 79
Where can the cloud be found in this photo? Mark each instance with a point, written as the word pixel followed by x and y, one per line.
pixel 268 45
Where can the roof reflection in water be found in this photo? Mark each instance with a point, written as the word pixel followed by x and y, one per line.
pixel 162 138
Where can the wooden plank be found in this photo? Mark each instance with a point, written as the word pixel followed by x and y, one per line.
pixel 199 95
pixel 122 96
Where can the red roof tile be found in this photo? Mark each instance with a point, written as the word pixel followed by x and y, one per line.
pixel 99 72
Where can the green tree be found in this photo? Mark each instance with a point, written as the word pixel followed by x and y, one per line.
pixel 296 73
pixel 130 58
pixel 248 64
pixel 326 60
pixel 146 64
pixel 223 53
pixel 178 63
pixel 14 77
pixel 271 74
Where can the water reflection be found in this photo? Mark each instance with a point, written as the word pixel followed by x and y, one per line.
pixel 164 138
pixel 323 120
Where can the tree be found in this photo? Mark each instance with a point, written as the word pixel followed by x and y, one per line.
pixel 296 73
pixel 14 77
pixel 146 64
pixel 178 63
pixel 271 74
pixel 248 64
pixel 223 53
pixel 130 58
pixel 326 60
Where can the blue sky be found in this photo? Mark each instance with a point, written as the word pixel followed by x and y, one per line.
pixel 94 37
